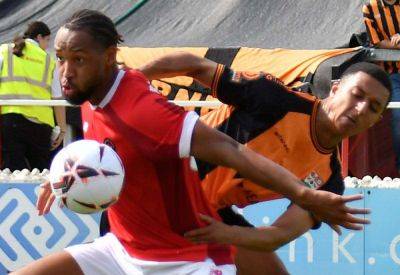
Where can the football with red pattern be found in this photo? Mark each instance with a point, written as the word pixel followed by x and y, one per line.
pixel 87 176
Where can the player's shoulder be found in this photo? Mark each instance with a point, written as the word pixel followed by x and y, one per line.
pixel 135 81
pixel 3 47
pixel 304 96
pixel 135 76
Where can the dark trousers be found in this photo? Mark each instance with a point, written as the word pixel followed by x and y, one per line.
pixel 25 144
pixel 395 78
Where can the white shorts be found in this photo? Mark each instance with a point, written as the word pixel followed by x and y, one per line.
pixel 106 255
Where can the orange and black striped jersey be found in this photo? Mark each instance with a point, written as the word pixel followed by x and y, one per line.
pixel 270 119
pixel 382 22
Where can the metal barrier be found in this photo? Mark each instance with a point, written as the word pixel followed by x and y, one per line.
pixel 210 104
pixel 28 102
pixel 183 103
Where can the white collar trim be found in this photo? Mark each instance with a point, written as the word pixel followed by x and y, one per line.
pixel 111 92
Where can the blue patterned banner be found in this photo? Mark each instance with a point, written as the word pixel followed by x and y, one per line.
pixel 376 250
pixel 24 236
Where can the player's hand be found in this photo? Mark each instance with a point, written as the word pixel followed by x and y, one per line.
pixel 395 39
pixel 332 209
pixel 215 232
pixel 336 228
pixel 45 198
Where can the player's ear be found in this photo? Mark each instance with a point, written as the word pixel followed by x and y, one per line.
pixel 111 55
pixel 334 87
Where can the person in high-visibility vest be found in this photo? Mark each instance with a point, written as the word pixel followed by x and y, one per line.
pixel 27 72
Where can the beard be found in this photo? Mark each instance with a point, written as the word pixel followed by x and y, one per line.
pixel 77 98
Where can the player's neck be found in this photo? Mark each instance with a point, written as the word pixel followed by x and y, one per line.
pixel 104 87
pixel 325 130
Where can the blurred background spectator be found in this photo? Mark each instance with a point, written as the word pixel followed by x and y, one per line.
pixel 28 72
pixel 383 28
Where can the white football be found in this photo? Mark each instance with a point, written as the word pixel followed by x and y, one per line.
pixel 87 176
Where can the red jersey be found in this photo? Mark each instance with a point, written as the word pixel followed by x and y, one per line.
pixel 161 197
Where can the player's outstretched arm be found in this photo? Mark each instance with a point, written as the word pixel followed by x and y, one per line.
pixel 181 64
pixel 215 147
pixel 289 226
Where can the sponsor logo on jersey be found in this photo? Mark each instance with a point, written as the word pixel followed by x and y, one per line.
pixel 239 76
pixel 282 141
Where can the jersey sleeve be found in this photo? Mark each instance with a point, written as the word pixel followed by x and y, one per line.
pixel 250 91
pixel 335 183
pixel 163 129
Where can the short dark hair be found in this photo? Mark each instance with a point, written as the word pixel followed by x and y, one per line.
pixel 371 69
pixel 34 29
pixel 95 23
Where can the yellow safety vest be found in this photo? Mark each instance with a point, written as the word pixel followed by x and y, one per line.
pixel 27 77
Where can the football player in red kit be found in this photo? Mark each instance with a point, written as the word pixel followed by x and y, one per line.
pixel 162 198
